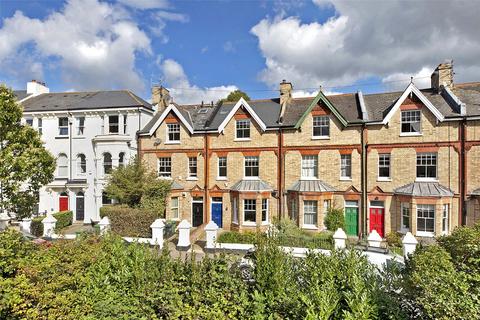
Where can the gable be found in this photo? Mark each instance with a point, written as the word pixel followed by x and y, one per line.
pixel 321 102
pixel 247 110
pixel 170 114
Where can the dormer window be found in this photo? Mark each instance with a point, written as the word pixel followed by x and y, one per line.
pixel 321 127
pixel 243 129
pixel 173 132
pixel 411 122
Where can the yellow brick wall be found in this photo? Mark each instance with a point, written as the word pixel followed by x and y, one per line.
pixel 431 131
pixel 403 168
pixel 473 130
pixel 473 168
pixel 187 141
pixel 338 134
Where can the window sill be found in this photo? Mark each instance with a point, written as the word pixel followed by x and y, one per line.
pixel 380 179
pixel 321 138
pixel 242 139
pixel 221 179
pixel 309 178
pixel 165 178
pixel 265 223
pixel 411 134
pixel 172 142
pixel 403 231
pixel 191 179
pixel 78 137
pixel 426 180
pixel 425 234
pixel 249 224
pixel 309 227
pixel 345 179
pixel 235 223
pixel 61 137
pixel 251 178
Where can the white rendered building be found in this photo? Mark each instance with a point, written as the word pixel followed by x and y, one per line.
pixel 89 133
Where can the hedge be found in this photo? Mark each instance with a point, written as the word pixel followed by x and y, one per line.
pixel 129 222
pixel 64 219
pixel 236 237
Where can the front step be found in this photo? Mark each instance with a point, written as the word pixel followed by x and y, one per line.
pixel 196 233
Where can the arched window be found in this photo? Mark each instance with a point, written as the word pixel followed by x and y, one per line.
pixel 81 164
pixel 106 200
pixel 121 159
pixel 62 165
pixel 107 163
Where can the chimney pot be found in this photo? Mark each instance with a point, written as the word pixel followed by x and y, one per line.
pixel 160 97
pixel 285 92
pixel 37 87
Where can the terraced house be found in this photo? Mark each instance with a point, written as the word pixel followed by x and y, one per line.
pixel 397 161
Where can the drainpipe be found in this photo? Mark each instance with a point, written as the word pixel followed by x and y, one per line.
pixel 463 176
pixel 363 215
pixel 206 177
pixel 280 172
pixel 70 145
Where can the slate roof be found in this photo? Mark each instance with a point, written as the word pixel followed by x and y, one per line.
pixel 251 185
pixel 377 106
pixel 424 189
pixel 20 94
pixel 311 186
pixel 176 186
pixel 61 101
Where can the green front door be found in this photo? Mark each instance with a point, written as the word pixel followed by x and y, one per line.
pixel 351 221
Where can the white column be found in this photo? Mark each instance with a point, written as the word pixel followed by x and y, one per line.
pixel 374 239
pixel 49 226
pixel 25 224
pixel 104 225
pixel 183 235
pixel 211 230
pixel 4 219
pixel 340 237
pixel 157 232
pixel 409 244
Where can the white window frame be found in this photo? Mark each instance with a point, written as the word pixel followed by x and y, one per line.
pixel 425 158
pixel 322 123
pixel 409 117
pixel 80 172
pixel 121 159
pixel 307 204
pixel 235 211
pixel 309 170
pixel 249 162
pixel 29 121
pixel 174 209
pixel 383 159
pixel 125 123
pixel 221 165
pixel 404 227
pixel 245 127
pixel 168 164
pixel 62 168
pixel 445 218
pixel 192 168
pixel 107 163
pixel 250 203
pixel 63 129
pixel 265 208
pixel 345 164
pixel 420 208
pixel 112 124
pixel 40 125
pixel 80 128
pixel 173 129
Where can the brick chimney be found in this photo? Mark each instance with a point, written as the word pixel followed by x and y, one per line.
pixel 443 76
pixel 160 97
pixel 285 92
pixel 36 87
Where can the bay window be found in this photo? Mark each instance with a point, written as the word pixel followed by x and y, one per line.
pixel 310 213
pixel 249 210
pixel 425 219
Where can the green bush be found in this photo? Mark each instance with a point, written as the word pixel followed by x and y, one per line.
pixel 36 227
pixel 237 237
pixel 130 222
pixel 64 219
pixel 394 239
pixel 335 219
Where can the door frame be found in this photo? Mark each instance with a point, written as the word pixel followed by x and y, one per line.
pixel 211 208
pixel 76 204
pixel 60 196
pixel 376 207
pixel 191 208
pixel 357 206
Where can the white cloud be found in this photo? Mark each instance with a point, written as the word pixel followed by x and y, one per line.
pixel 146 4
pixel 229 47
pixel 95 44
pixel 204 49
pixel 184 92
pixel 400 80
pixel 389 39
pixel 160 19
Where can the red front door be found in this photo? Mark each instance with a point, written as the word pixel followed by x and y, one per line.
pixel 63 203
pixel 377 217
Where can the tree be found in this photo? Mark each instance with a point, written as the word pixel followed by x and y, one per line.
pixel 235 95
pixel 135 185
pixel 25 164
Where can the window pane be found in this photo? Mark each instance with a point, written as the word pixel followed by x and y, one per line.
pixel 165 167
pixel 346 165
pixel 411 121
pixel 310 212
pixel 173 130
pixel 321 126
pixel 427 165
pixel 107 163
pixel 243 129
pixel 113 124
pixel 222 167
pixel 384 165
pixel 249 210
pixel 264 210
pixel 251 166
pixel 309 166
pixel 192 166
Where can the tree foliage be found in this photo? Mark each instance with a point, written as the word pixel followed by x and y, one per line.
pixel 335 219
pixel 235 95
pixel 25 164
pixel 135 185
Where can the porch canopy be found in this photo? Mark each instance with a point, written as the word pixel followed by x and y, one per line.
pixel 424 189
pixel 310 186
pixel 251 185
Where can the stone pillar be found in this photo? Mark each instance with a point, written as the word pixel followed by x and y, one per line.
pixel 211 230
pixel 409 244
pixel 183 235
pixel 104 225
pixel 340 237
pixel 25 224
pixel 4 219
pixel 374 239
pixel 49 223
pixel 157 232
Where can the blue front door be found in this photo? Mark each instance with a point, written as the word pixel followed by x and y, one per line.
pixel 217 213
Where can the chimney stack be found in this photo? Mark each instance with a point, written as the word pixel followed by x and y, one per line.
pixel 160 97
pixel 443 76
pixel 36 87
pixel 285 92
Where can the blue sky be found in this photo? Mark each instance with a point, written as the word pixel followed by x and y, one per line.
pixel 202 50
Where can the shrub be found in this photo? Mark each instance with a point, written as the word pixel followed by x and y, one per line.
pixel 36 227
pixel 12 248
pixel 335 219
pixel 130 222
pixel 394 239
pixel 237 237
pixel 64 219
